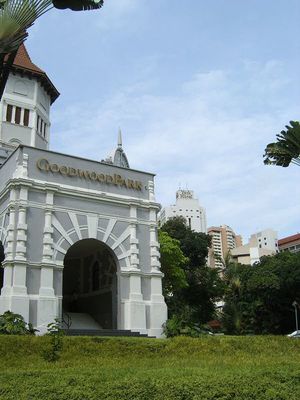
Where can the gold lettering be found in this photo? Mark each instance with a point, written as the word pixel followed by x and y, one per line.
pixel 130 184
pixel 72 172
pixel 118 179
pixel 83 174
pixel 43 164
pixel 54 168
pixel 138 185
pixel 123 183
pixel 109 179
pixel 101 178
pixel 64 170
pixel 93 176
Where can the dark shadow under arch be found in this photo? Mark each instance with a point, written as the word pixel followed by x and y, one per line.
pixel 90 282
pixel 2 258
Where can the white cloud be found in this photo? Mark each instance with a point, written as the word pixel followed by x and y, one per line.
pixel 211 136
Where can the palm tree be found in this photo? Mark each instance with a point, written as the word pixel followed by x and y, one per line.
pixel 16 16
pixel 287 148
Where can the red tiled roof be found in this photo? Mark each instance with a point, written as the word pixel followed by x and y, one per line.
pixel 23 63
pixel 23 60
pixel 289 239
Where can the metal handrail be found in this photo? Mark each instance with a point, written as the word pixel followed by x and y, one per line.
pixel 67 322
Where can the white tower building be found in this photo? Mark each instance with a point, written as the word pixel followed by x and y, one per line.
pixel 25 105
pixel 188 207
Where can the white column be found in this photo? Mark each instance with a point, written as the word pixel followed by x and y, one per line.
pixel 47 237
pixel 19 297
pixel 134 307
pixel 48 304
pixel 154 245
pixel 21 234
pixel 134 242
pixel 9 249
pixel 158 310
pixel 5 299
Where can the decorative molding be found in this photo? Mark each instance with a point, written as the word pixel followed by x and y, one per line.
pixel 93 228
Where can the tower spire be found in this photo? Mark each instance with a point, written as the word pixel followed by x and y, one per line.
pixel 120 138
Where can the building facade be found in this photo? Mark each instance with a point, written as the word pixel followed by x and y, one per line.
pixel 79 236
pixel 187 206
pixel 223 240
pixel 260 244
pixel 290 243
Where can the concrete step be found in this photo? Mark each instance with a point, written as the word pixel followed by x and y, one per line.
pixel 103 332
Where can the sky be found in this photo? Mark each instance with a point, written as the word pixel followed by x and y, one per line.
pixel 198 88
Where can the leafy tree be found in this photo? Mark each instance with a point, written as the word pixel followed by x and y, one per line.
pixel 259 298
pixel 204 285
pixel 287 148
pixel 172 264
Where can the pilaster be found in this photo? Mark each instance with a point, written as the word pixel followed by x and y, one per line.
pixel 154 245
pixel 47 309
pixel 134 242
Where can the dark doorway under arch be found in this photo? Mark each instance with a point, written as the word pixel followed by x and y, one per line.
pixel 2 257
pixel 90 282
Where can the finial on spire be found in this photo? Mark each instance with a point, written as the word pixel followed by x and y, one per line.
pixel 120 138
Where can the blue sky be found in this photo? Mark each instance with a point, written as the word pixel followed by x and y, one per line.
pixel 198 88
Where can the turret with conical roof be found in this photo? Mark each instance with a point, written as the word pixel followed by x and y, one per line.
pixel 25 105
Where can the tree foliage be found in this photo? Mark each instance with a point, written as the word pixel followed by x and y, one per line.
pixel 287 148
pixel 195 301
pixel 172 264
pixel 259 298
pixel 14 324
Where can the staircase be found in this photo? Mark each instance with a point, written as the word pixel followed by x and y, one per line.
pixel 103 332
pixel 81 324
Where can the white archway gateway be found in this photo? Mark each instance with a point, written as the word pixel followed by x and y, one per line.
pixel 50 201
pixel 45 215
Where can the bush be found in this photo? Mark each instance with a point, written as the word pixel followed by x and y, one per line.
pixel 53 352
pixel 14 324
pixel 182 325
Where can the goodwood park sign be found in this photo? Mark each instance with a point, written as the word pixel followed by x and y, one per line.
pixel 44 165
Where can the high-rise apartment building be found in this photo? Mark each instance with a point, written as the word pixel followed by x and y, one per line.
pixel 186 206
pixel 224 240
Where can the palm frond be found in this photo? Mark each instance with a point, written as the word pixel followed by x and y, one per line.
pixel 78 5
pixel 287 148
pixel 16 16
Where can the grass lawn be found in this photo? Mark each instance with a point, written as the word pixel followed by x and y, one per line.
pixel 257 367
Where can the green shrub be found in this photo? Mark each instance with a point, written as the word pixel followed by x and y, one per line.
pixel 55 346
pixel 178 325
pixel 14 324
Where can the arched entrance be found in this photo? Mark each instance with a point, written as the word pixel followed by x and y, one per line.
pixel 90 284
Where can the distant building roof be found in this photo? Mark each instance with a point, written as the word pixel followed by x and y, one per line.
pixel 23 64
pixel 289 239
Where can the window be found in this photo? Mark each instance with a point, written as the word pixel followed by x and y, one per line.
pixel 26 117
pixel 9 110
pixel 18 115
pixel 38 124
